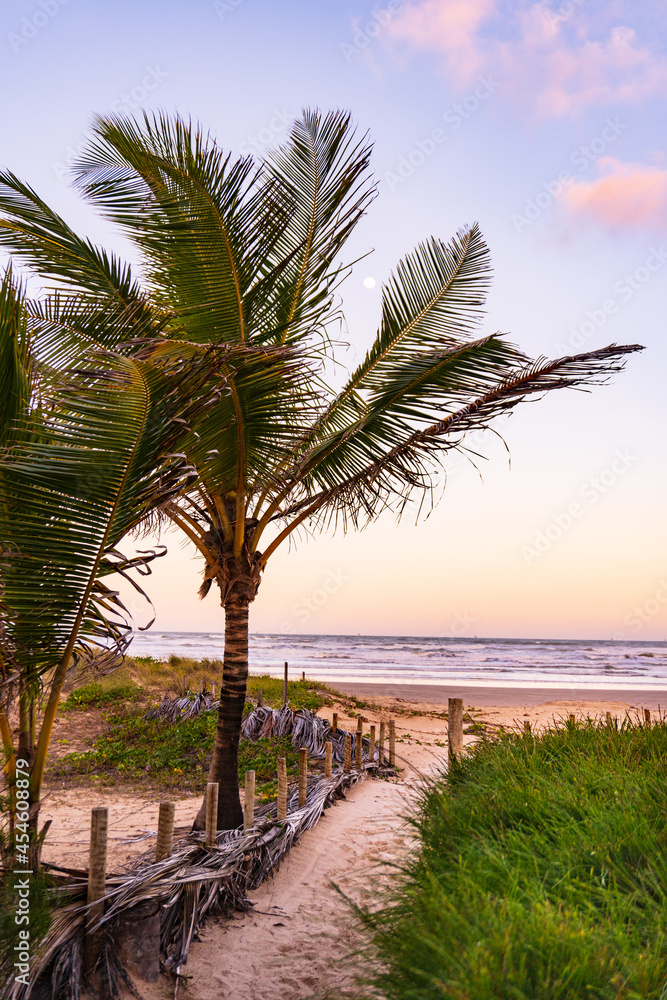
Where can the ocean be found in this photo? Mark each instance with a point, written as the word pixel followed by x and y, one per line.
pixel 535 663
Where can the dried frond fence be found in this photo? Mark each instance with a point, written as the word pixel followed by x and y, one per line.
pixel 193 882
pixel 310 731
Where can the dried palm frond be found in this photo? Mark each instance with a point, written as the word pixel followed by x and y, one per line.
pixel 306 729
pixel 191 885
pixel 187 706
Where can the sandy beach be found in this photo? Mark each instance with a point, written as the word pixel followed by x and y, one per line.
pixel 300 939
pixel 507 697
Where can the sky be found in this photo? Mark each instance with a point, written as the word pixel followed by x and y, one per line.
pixel 545 123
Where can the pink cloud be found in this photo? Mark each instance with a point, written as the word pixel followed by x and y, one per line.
pixel 451 28
pixel 627 196
pixel 553 60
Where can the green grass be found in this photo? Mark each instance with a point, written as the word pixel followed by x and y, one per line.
pixel 261 757
pixel 542 874
pixel 300 693
pixel 97 694
pixel 178 674
pixel 176 755
pixel 173 755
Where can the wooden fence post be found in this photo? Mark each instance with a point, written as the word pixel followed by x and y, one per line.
pixel 347 757
pixel 647 716
pixel 334 723
pixel 392 743
pixel 303 675
pixel 455 727
pixel 282 789
pixel 526 726
pixel 285 684
pixel 249 801
pixel 328 752
pixel 371 745
pixel 303 776
pixel 571 719
pixel 211 814
pixel 165 831
pixel 381 744
pixel 358 747
pixel 260 699
pixel 97 868
pixel 607 718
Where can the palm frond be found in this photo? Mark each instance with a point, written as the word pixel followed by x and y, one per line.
pixel 17 376
pixel 70 489
pixel 63 326
pixel 42 239
pixel 430 306
pixel 398 471
pixel 321 176
pixel 192 210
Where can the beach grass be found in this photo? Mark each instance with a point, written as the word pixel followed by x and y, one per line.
pixel 176 675
pixel 542 873
pixel 136 751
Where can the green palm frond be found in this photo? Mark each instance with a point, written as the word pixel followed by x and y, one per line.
pixel 195 213
pixel 17 375
pixel 321 174
pixel 433 384
pixel 269 387
pixel 42 239
pixel 397 472
pixel 433 301
pixel 77 475
pixel 430 308
pixel 84 480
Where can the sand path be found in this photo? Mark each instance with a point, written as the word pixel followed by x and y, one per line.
pixel 300 940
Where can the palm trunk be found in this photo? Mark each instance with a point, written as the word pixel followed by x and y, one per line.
pixel 224 765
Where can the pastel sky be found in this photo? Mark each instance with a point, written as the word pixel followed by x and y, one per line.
pixel 545 122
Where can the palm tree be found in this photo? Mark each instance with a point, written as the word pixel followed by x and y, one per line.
pixel 243 257
pixel 87 449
